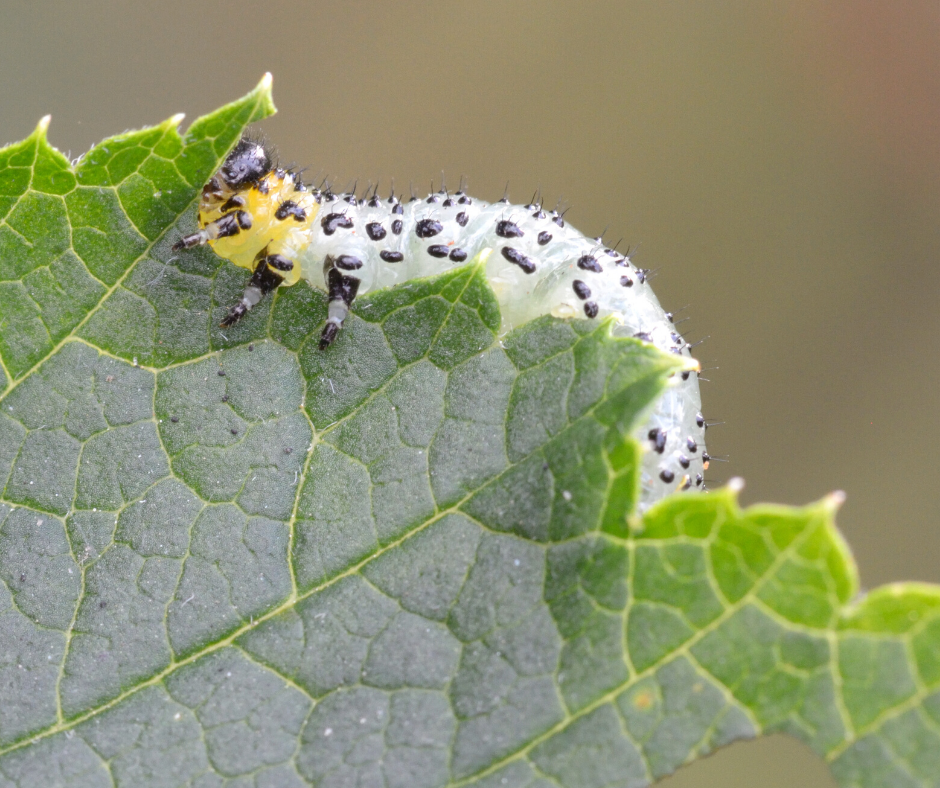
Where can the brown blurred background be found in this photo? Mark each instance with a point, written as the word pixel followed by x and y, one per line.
pixel 778 165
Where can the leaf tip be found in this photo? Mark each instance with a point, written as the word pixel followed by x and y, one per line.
pixel 43 126
pixel 176 119
pixel 262 94
pixel 833 502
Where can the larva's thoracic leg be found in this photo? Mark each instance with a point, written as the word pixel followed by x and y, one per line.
pixel 224 227
pixel 342 290
pixel 262 282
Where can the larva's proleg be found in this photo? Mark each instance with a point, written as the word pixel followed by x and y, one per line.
pixel 266 219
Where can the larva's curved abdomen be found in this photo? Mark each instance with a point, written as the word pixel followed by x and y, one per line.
pixel 538 265
pixel 265 219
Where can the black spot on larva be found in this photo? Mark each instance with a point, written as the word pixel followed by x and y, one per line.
pixel 626 281
pixel 588 263
pixel 348 263
pixel 374 201
pixel 463 200
pixel 507 229
pixel 558 220
pixel 667 475
pixel 590 309
pixel 279 262
pixel 398 210
pixel 581 290
pixel 233 202
pixel 641 274
pixel 335 221
pixel 518 258
pixel 458 255
pixel 684 461
pixel 611 253
pixel 263 187
pixel 233 223
pixel 658 438
pixel 391 257
pixel 544 237
pixel 699 420
pixel 462 219
pixel 375 231
pixel 687 482
pixel 433 198
pixel 643 336
pixel 691 444
pixel 538 215
pixel 396 227
pixel 685 375
pixel 438 250
pixel 448 203
pixel 699 479
pixel 290 208
pixel 213 187
pixel 428 228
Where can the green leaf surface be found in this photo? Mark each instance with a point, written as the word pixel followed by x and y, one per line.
pixel 230 559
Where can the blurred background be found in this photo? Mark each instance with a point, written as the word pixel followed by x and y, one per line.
pixel 777 164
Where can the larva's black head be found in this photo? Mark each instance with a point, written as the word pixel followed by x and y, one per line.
pixel 247 164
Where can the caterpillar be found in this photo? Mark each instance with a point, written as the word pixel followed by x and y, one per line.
pixel 266 219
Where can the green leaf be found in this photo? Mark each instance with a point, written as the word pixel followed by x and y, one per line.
pixel 230 559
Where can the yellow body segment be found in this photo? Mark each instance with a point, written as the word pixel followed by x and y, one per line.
pixel 286 237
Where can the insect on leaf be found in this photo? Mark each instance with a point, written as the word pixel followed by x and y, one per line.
pixel 228 558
